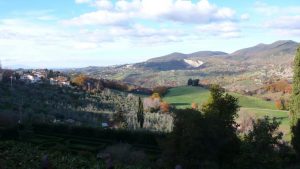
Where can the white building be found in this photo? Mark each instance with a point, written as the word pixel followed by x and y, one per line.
pixel 30 78
pixel 60 80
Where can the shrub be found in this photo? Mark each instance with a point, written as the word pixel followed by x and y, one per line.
pixel 296 138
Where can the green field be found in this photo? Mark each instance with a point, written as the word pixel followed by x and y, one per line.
pixel 183 97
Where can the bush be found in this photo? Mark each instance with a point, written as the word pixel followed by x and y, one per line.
pixel 198 141
pixel 296 138
pixel 161 90
pixel 125 136
pixel 262 147
pixel 125 154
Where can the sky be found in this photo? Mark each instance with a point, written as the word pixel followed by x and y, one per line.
pixel 80 33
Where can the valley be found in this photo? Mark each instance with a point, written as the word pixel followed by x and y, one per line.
pixel 246 70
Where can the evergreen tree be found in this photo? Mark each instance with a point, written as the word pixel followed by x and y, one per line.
pixel 140 113
pixel 295 104
pixel 190 82
pixel 195 82
pixel 296 138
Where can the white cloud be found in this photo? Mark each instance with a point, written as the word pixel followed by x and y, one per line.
pixel 99 17
pixel 285 25
pixel 103 4
pixel 271 10
pixel 245 17
pixel 181 11
pixel 223 30
pixel 82 1
pixel 279 20
pixel 285 22
pixel 85 45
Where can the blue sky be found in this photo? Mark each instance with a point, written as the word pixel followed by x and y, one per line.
pixel 79 33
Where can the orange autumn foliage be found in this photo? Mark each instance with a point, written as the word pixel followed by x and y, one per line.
pixel 80 80
pixel 164 107
pixel 195 106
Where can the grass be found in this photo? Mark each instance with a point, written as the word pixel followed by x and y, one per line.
pixel 254 102
pixel 182 97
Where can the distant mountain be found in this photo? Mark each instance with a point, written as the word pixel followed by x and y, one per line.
pixel 180 61
pixel 181 56
pixel 278 52
pixel 236 71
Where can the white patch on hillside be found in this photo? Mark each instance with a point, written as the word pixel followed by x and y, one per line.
pixel 194 63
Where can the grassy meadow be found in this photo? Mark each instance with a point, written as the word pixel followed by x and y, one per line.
pixel 182 97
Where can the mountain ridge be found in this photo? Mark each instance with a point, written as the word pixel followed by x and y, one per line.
pixel 281 51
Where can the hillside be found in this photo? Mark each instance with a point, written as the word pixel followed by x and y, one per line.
pixel 181 56
pixel 183 97
pixel 245 70
pixel 47 103
pixel 180 61
pixel 278 52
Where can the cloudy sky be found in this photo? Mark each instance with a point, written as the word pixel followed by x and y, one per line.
pixel 79 33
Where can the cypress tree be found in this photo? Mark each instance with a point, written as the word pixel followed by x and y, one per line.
pixel 295 104
pixel 140 113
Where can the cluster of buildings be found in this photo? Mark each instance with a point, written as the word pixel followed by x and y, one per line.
pixel 36 76
pixel 42 76
pixel 60 80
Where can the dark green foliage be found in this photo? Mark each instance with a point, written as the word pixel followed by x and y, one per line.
pixel 221 106
pixel 195 82
pixel 125 136
pixel 190 82
pixel 125 154
pixel 262 147
pixel 208 139
pixel 296 138
pixel 295 104
pixel 198 141
pixel 16 155
pixel 140 113
pixel 9 133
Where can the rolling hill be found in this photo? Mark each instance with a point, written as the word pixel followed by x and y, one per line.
pixel 278 52
pixel 181 56
pixel 182 97
pixel 180 61
pixel 245 69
